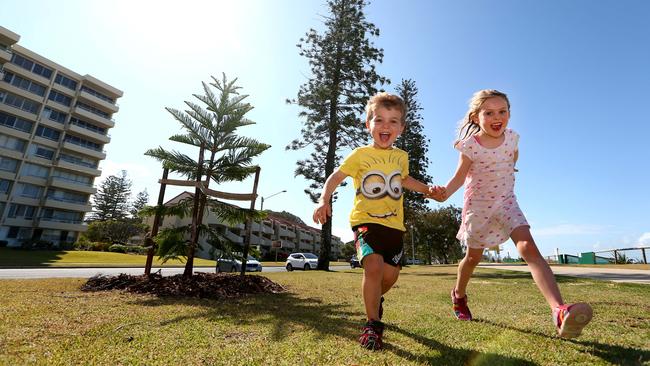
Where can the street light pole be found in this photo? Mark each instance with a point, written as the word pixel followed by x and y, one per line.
pixel 267 197
pixel 262 209
pixel 412 247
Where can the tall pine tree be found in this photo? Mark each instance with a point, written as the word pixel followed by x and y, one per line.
pixel 111 201
pixel 342 60
pixel 416 144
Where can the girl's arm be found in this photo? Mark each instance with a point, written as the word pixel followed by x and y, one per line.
pixel 324 209
pixel 464 163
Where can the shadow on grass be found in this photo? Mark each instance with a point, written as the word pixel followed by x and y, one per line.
pixel 286 312
pixel 10 257
pixel 450 355
pixel 618 355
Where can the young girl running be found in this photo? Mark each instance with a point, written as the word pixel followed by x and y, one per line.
pixel 488 153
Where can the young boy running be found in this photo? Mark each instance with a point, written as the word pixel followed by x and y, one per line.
pixel 380 172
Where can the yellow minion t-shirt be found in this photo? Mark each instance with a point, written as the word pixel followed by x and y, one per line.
pixel 377 175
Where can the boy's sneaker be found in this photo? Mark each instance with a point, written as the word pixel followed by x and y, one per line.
pixel 370 337
pixel 381 307
pixel 461 311
pixel 569 319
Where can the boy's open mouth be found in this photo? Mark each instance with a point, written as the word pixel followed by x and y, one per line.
pixel 384 136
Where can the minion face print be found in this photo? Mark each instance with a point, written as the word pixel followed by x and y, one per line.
pixel 379 185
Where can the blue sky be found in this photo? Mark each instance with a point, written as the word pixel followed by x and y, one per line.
pixel 576 73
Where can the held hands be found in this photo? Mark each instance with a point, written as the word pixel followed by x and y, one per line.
pixel 438 193
pixel 322 212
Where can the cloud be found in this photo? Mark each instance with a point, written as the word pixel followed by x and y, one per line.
pixel 568 229
pixel 644 240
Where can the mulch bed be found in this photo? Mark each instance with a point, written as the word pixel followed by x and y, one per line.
pixel 200 285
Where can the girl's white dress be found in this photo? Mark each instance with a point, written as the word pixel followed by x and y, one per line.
pixel 490 210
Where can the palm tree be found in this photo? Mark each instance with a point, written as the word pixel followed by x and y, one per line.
pixel 212 128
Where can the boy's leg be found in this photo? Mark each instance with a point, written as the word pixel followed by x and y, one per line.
pixel 373 273
pixel 466 268
pixel 539 268
pixel 391 273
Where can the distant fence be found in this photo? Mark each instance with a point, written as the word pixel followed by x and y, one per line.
pixel 613 256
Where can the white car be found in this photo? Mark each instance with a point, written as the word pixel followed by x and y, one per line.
pixel 305 261
pixel 233 264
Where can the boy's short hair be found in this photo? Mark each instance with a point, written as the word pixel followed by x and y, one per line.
pixel 386 100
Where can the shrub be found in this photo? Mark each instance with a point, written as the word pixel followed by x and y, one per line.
pixel 117 248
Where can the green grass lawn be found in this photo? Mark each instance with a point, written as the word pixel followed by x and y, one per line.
pixel 51 322
pixel 46 258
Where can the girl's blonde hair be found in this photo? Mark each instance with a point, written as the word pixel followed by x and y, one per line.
pixel 467 127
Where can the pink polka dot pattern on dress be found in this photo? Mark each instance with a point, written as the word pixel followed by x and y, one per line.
pixel 490 210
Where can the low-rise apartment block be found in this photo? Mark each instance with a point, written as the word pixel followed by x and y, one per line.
pixel 275 229
pixel 54 126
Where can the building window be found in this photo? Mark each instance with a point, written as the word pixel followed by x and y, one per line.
pixel 19 102
pixel 60 98
pixel 21 211
pixel 97 94
pixel 8 164
pixel 88 126
pixel 83 142
pixel 34 170
pixel 13 232
pixel 54 115
pixel 65 81
pixel 24 84
pixel 41 151
pixel 5 186
pixel 93 110
pixel 32 66
pixel 78 160
pixel 12 143
pixel 29 190
pixel 16 123
pixel 48 133
pixel 75 178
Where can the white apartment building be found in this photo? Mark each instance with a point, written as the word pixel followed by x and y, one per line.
pixel 295 237
pixel 54 125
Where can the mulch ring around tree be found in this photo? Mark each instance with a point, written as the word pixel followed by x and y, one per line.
pixel 200 285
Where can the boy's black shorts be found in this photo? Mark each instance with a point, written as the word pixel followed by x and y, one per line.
pixel 380 239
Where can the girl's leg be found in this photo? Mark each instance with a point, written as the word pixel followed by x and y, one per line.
pixel 541 271
pixel 373 274
pixel 466 268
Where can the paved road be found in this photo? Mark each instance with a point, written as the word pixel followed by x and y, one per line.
pixel 607 274
pixel 16 273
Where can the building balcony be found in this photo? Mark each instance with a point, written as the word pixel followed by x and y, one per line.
pixel 78 167
pixel 98 102
pixel 5 55
pixel 85 114
pixel 72 185
pixel 7 175
pixel 233 237
pixel 11 153
pixel 14 132
pixel 306 247
pixel 101 155
pixel 23 200
pixel 284 233
pixel 60 224
pixel 105 139
pixel 286 244
pixel 67 205
pixel 15 69
pixel 39 181
pixel 18 221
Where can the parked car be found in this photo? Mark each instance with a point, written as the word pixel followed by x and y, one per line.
pixel 354 262
pixel 233 264
pixel 305 261
pixel 413 261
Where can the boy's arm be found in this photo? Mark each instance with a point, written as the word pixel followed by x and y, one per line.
pixel 415 185
pixel 323 208
pixel 464 163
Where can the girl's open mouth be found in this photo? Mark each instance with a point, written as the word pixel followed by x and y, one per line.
pixel 496 126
